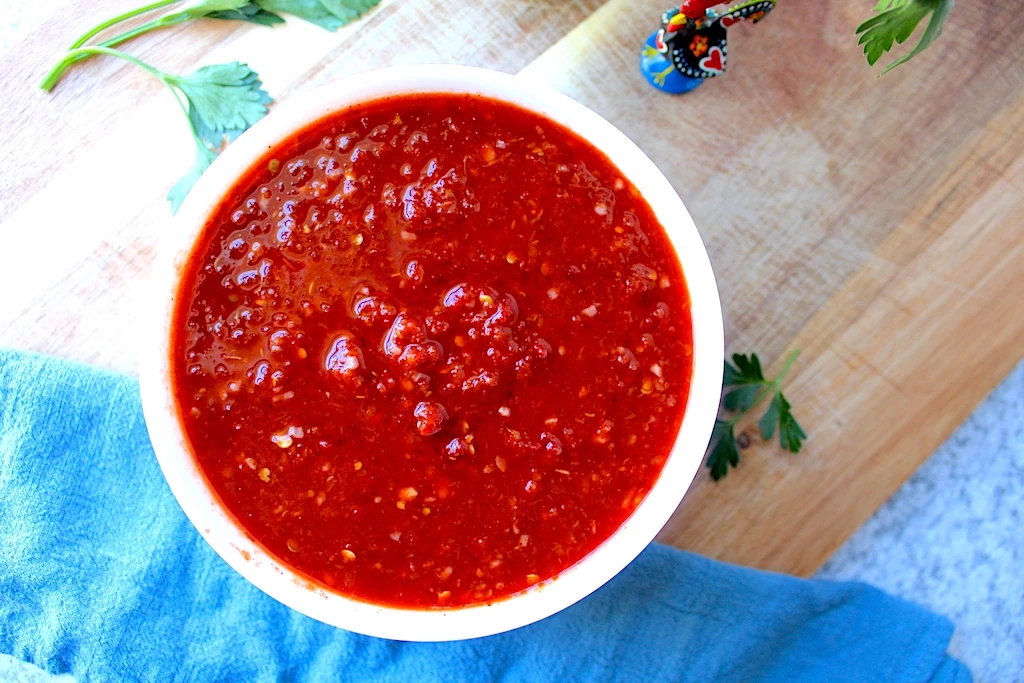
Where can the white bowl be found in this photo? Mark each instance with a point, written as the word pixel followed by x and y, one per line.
pixel 279 581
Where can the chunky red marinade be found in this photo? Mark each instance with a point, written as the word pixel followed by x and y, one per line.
pixel 432 351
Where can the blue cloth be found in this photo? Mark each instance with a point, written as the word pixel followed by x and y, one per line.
pixel 103 577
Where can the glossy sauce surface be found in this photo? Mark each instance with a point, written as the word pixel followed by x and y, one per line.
pixel 432 351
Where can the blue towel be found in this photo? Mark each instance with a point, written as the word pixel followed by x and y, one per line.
pixel 103 577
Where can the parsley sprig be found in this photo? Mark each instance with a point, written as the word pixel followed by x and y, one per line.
pixel 895 21
pixel 745 388
pixel 220 101
pixel 242 10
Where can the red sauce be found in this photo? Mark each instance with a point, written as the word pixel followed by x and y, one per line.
pixel 432 351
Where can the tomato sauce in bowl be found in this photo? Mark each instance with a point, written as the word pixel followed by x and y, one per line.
pixel 432 350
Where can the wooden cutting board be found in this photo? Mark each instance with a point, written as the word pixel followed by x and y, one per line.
pixel 874 223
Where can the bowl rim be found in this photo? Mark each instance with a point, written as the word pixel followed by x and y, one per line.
pixel 247 557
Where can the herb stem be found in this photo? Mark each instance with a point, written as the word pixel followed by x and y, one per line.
pixel 102 50
pixel 785 368
pixel 764 392
pixel 118 19
pixel 75 55
pixel 163 22
pixel 164 78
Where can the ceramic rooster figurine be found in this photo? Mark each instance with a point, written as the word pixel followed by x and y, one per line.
pixel 690 46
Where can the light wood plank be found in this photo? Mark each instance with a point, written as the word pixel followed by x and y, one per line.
pixel 82 301
pixel 874 223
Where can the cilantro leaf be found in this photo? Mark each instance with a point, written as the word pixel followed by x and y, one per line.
pixel 731 375
pixel 779 414
pixel 742 398
pixel 724 453
pixel 749 379
pixel 895 23
pixel 750 368
pixel 204 157
pixel 745 387
pixel 223 100
pixel 349 10
pixel 328 14
pixel 307 10
pixel 254 14
pixel 746 371
pixel 791 434
pixel 201 8
pixel 770 420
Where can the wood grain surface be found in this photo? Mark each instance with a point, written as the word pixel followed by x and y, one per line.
pixel 874 223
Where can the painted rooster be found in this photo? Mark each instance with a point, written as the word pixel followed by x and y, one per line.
pixel 691 44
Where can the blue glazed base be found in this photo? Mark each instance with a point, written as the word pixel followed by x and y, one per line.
pixel 660 73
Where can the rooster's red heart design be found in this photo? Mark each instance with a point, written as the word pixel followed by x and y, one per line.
pixel 729 21
pixel 714 61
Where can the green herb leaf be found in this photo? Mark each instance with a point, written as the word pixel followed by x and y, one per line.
pixel 731 375
pixel 328 14
pixel 349 10
pixel 254 14
pixel 746 371
pixel 791 434
pixel 742 398
pixel 749 379
pixel 204 157
pixel 779 414
pixel 747 387
pixel 724 453
pixel 750 368
pixel 770 420
pixel 223 100
pixel 895 23
pixel 883 5
pixel 307 10
pixel 931 34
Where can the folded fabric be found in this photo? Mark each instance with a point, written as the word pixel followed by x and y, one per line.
pixel 103 577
